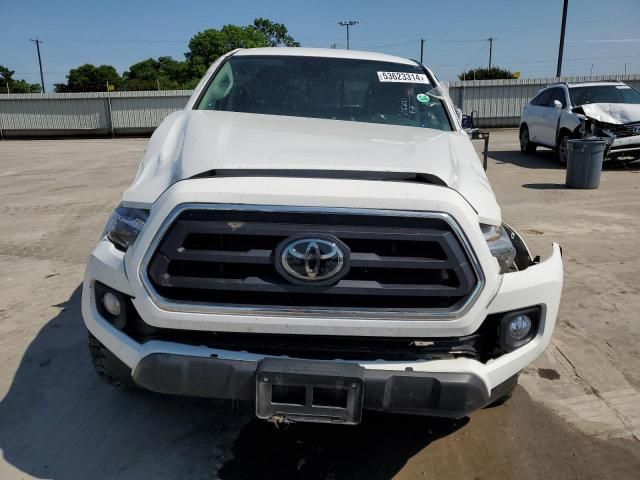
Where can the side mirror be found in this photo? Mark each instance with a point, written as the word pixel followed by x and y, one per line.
pixel 557 104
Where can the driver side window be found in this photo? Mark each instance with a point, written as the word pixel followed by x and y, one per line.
pixel 544 97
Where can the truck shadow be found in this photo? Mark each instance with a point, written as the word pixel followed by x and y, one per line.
pixel 546 159
pixel 376 449
pixel 57 420
pixel 543 159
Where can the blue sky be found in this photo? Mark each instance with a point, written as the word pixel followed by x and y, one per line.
pixel 604 33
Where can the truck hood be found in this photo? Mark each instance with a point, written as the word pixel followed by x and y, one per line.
pixel 615 113
pixel 192 142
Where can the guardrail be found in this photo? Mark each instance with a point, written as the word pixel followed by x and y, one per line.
pixel 495 103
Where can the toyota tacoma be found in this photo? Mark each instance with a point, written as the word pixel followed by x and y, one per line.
pixel 314 232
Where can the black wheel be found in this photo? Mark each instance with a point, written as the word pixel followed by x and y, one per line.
pixel 561 149
pixel 109 368
pixel 526 145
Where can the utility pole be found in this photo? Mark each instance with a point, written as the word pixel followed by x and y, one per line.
pixel 490 40
pixel 38 42
pixel 422 50
pixel 562 30
pixel 348 23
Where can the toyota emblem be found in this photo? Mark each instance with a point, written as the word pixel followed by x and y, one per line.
pixel 317 259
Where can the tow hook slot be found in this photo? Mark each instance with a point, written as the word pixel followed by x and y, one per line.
pixel 312 391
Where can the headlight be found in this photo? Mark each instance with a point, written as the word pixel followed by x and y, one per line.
pixel 124 226
pixel 500 246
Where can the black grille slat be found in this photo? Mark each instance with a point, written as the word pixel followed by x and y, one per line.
pixel 622 131
pixel 358 259
pixel 343 287
pixel 223 257
pixel 275 230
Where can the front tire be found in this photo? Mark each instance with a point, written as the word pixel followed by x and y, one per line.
pixel 109 368
pixel 561 149
pixel 526 146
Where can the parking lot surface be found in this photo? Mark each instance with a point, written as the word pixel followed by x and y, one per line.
pixel 576 413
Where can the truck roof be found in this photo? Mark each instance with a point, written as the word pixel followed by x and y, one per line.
pixel 324 52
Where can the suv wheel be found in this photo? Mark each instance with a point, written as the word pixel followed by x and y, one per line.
pixel 561 150
pixel 526 145
pixel 109 368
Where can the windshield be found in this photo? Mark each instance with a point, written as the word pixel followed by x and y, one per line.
pixel 603 94
pixel 330 88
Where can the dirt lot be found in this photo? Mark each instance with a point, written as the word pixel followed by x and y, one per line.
pixel 575 415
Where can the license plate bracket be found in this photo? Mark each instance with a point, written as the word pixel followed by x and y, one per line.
pixel 309 391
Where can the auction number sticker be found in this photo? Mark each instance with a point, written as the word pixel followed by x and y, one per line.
pixel 403 77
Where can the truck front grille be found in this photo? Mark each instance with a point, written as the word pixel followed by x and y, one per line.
pixel 212 256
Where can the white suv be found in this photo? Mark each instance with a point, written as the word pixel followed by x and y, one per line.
pixel 609 110
pixel 315 233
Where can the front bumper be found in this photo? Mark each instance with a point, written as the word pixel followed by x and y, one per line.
pixel 627 148
pixel 451 395
pixel 448 387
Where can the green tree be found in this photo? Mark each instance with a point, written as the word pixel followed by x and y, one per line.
pixel 277 33
pixel 7 82
pixel 89 78
pixel 165 73
pixel 493 73
pixel 206 46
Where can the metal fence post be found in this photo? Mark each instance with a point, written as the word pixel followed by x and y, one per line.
pixel 1 131
pixel 110 116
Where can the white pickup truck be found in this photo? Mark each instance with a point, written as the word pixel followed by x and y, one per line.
pixel 314 232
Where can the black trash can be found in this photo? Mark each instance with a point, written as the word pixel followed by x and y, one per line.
pixel 584 162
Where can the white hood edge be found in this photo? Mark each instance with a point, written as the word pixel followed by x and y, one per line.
pixel 192 142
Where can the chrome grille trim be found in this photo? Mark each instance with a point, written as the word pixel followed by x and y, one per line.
pixel 311 312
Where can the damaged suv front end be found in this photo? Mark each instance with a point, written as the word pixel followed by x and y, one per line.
pixel 617 124
pixel 606 110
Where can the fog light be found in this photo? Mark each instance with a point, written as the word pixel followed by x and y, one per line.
pixel 111 304
pixel 520 327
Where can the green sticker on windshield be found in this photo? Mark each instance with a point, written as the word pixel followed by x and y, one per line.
pixel 423 98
